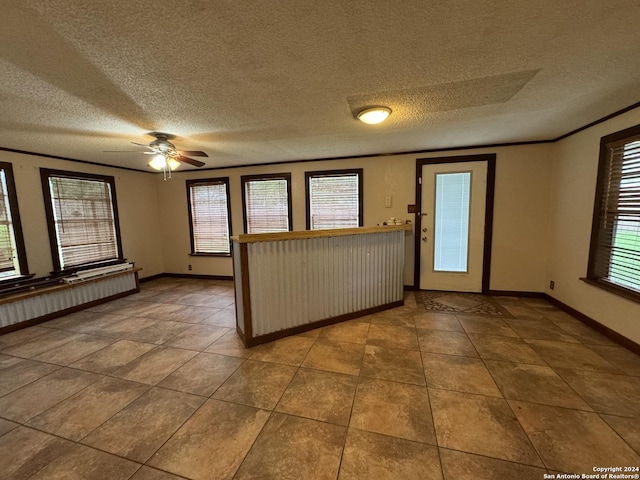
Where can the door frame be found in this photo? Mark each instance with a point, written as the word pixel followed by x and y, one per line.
pixel 490 158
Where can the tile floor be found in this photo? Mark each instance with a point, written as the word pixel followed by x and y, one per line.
pixel 158 386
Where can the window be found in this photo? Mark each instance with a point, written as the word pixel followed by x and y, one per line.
pixel 82 216
pixel 451 237
pixel 13 260
pixel 334 199
pixel 266 203
pixel 614 259
pixel 209 216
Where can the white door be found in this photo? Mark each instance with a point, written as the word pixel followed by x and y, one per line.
pixel 452 227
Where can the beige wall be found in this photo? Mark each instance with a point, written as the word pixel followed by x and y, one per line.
pixel 520 224
pixel 574 174
pixel 137 207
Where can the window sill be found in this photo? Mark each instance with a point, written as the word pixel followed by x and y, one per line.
pixel 87 266
pixel 613 288
pixel 202 254
pixel 16 280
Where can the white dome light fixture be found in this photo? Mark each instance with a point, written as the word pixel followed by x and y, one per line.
pixel 374 115
pixel 165 163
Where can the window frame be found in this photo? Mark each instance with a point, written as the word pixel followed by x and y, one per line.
pixel 266 177
pixel 593 278
pixel 16 223
pixel 334 173
pixel 204 181
pixel 45 175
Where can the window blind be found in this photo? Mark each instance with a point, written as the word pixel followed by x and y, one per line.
pixel 617 256
pixel 266 205
pixel 210 217
pixel 83 217
pixel 334 201
pixel 451 238
pixel 8 253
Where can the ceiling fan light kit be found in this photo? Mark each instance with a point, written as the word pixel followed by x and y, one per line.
pixel 374 115
pixel 166 157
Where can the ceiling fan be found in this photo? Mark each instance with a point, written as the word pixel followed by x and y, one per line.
pixel 165 154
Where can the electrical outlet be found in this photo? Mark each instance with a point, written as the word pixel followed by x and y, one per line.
pixel 387 201
pixel 552 284
pixel 190 267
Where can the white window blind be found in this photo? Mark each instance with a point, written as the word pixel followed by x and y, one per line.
pixel 84 222
pixel 617 254
pixel 334 201
pixel 210 217
pixel 9 266
pixel 266 205
pixel 451 239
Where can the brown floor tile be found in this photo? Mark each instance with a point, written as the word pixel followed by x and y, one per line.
pixel 257 384
pixel 447 343
pixel 154 366
pixel 203 374
pixel 350 331
pixel 482 425
pixel 486 325
pixel 277 455
pixel 373 456
pixel 625 360
pixel 73 351
pixel 287 351
pixel 148 473
pixel 466 466
pixel 463 374
pixel 158 332
pixel 627 428
pixel 539 330
pixel 403 318
pixel 569 355
pixel 33 399
pixel 535 384
pixel 410 300
pixel 437 321
pixel 7 361
pixel 82 413
pixel 40 344
pixel 523 311
pixel 6 426
pixel 394 409
pixel 22 373
pixel 213 442
pixel 391 336
pixel 584 333
pixel 340 357
pixel 310 333
pixel 80 462
pixel 393 364
pixel 197 337
pixel 111 358
pixel 571 440
pixel 229 344
pixel 85 321
pixel 141 428
pixel 493 347
pixel 125 307
pixel 29 451
pixel 21 336
pixel 606 393
pixel 125 328
pixel 222 318
pixel 179 313
pixel 319 395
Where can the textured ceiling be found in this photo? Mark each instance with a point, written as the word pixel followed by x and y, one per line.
pixel 268 81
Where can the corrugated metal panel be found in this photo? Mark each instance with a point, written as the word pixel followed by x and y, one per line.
pixel 296 282
pixel 46 303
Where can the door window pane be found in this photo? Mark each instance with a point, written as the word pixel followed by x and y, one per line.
pixel 451 236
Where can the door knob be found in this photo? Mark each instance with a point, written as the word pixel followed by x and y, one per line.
pixel 424 230
pixel 424 239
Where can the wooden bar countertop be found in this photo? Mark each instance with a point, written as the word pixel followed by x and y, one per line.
pixel 302 234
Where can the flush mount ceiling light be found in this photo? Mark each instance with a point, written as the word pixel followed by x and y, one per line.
pixel 373 115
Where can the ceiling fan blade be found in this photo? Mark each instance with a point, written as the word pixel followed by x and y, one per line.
pixel 190 161
pixel 193 153
pixel 122 151
pixel 141 145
